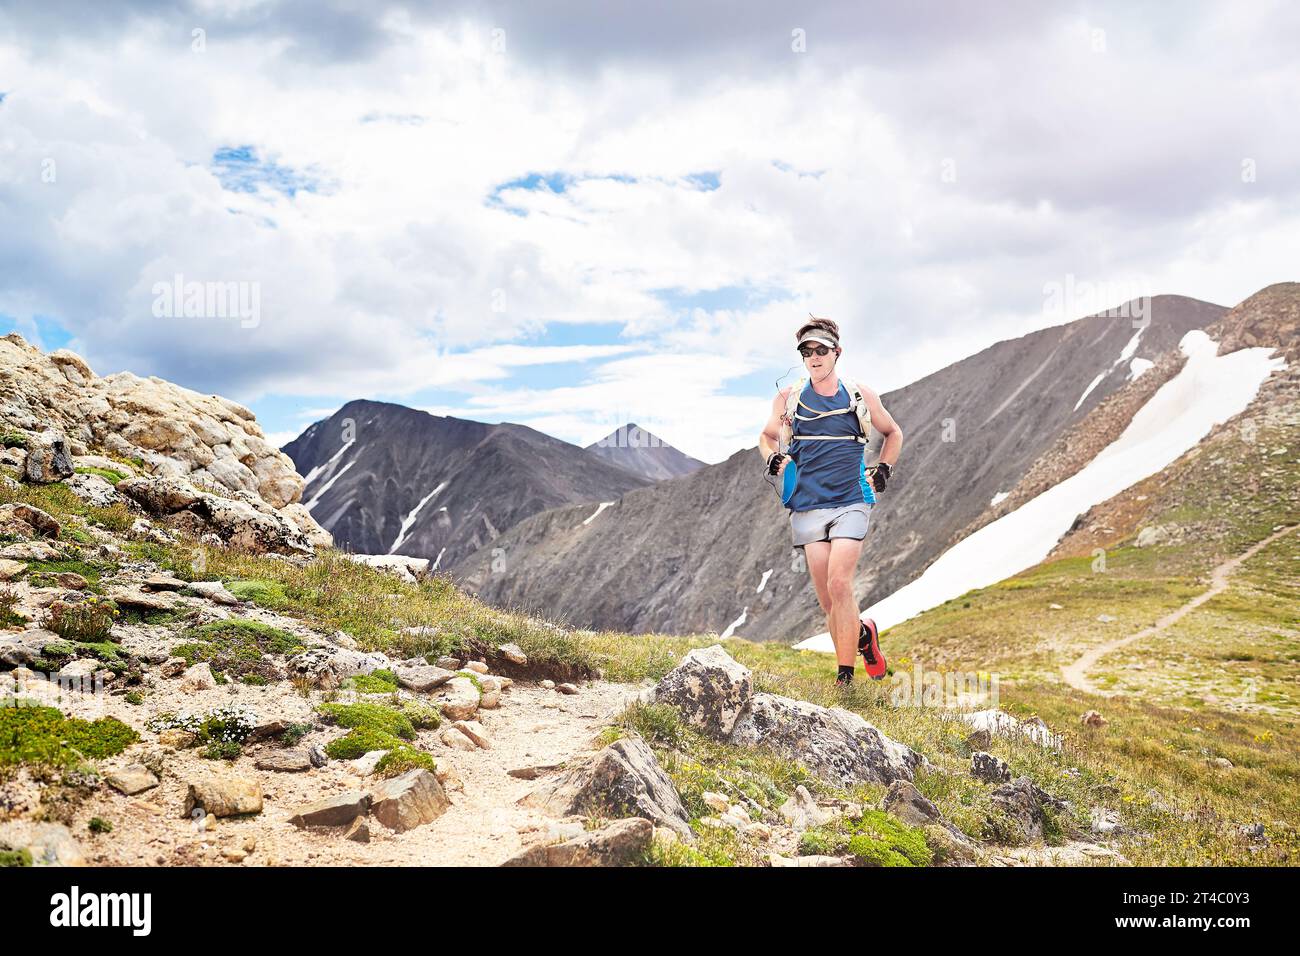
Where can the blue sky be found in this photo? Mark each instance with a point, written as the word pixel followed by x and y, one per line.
pixel 575 219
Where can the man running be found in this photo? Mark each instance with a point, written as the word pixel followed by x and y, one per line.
pixel 831 505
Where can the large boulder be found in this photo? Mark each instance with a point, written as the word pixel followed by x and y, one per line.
pixel 624 779
pixel 160 495
pixel 243 525
pixel 49 458
pixel 836 745
pixel 224 796
pixel 617 844
pixel 93 490
pixel 709 688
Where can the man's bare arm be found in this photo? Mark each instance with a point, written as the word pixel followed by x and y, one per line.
pixel 884 423
pixel 769 441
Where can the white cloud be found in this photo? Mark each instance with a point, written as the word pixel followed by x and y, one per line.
pixel 400 274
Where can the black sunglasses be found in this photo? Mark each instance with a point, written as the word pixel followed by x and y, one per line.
pixel 807 350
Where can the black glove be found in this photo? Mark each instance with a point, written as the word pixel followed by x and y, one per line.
pixel 880 476
pixel 774 463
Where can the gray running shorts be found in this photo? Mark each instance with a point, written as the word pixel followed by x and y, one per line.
pixel 822 524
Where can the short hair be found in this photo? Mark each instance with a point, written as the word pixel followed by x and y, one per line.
pixel 815 324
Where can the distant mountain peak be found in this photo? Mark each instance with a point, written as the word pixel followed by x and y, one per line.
pixel 643 453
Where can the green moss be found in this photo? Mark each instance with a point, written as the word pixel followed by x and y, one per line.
pixel 222 750
pixel 99 825
pixel 15 858
pixel 262 592
pixel 370 716
pixel 874 839
pixel 401 759
pixel 236 647
pixel 359 742
pixel 134 697
pixel 12 439
pixel 422 716
pixel 112 477
pixel 376 682
pixel 43 736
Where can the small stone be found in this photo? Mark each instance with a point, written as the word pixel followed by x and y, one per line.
pixel 446 773
pixel 756 832
pixel 213 591
pixel 11 569
pixel 448 663
pixel 980 740
pixel 1106 618
pixel 131 780
pixel 334 811
pixel 1221 762
pixel 456 740
pixel 532 773
pixel 235 854
pixel 547 685
pixel 459 699
pixel 317 755
pixel 1055 607
pixel 358 831
pixel 990 769
pixel 1092 719
pixel 162 582
pixel 567 689
pixel 474 731
pixel 176 738
pixel 365 765
pixel 71 581
pixel 423 678
pixel 514 654
pixel 478 667
pixel 198 678
pixel 172 667
pixel 225 796
pixel 284 761
pixel 716 801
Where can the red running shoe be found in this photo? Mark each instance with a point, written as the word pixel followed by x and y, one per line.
pixel 869 648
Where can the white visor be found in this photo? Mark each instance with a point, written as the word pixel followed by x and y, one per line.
pixel 821 337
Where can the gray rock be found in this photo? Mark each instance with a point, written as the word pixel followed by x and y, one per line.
pixel 408 801
pixel 214 591
pixel 459 699
pixel 160 495
pixel 29 516
pixel 624 779
pixel 617 844
pixel 1023 804
pixel 422 678
pixel 532 773
pixel 328 667
pixel 48 458
pixel 836 745
pixel 337 810
pixel 907 803
pixel 317 755
pixel 990 769
pixel 93 490
pixel 513 653
pixel 709 688
pixel 801 811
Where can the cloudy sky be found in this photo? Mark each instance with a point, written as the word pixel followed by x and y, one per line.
pixel 598 212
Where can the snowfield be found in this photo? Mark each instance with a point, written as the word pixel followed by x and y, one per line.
pixel 1209 390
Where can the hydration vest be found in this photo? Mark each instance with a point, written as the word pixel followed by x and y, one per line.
pixel 857 405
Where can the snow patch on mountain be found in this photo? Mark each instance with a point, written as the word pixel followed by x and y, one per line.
pixel 409 521
pixel 1000 497
pixel 319 469
pixel 329 484
pixel 763 583
pixel 592 517
pixel 1208 390
pixel 738 622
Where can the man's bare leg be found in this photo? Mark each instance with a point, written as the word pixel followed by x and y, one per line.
pixel 844 618
pixel 818 556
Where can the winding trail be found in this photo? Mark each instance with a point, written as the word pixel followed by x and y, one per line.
pixel 1076 674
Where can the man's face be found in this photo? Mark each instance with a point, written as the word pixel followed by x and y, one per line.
pixel 818 359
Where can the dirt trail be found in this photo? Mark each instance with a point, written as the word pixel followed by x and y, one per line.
pixel 484 826
pixel 1076 674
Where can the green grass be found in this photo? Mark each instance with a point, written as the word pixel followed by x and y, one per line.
pixel 236 647
pixel 42 736
pixel 112 477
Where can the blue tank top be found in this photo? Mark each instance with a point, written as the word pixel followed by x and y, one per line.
pixel 832 474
